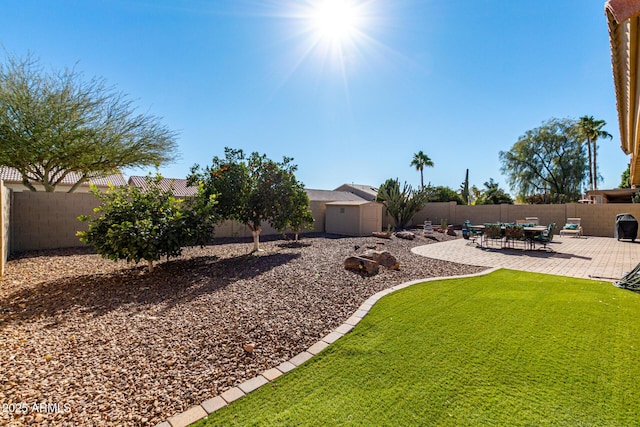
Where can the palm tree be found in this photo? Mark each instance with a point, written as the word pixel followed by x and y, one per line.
pixel 420 160
pixel 592 130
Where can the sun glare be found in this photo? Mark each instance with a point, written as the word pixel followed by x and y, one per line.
pixel 335 19
pixel 332 38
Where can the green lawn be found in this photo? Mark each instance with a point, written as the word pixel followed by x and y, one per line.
pixel 509 348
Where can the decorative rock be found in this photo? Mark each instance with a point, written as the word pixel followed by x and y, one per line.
pixel 362 265
pixel 249 348
pixel 451 231
pixel 405 235
pixel 381 235
pixel 384 258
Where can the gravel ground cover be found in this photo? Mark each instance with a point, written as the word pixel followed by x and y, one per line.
pixel 87 341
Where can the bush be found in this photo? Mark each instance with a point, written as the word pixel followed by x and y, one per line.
pixel 135 224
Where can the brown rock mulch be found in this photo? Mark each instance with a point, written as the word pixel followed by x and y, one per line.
pixel 105 343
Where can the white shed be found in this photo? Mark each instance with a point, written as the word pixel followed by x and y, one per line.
pixel 353 218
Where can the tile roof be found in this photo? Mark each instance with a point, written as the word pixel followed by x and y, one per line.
pixel 177 185
pixel 10 174
pixel 622 9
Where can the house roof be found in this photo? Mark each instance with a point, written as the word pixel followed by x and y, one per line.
pixel 177 185
pixel 616 195
pixel 623 19
pixel 367 192
pixel 622 10
pixel 352 203
pixel 10 174
pixel 331 195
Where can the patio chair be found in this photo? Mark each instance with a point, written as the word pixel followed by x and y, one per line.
pixel 546 236
pixel 572 227
pixel 470 233
pixel 533 220
pixel 493 232
pixel 514 233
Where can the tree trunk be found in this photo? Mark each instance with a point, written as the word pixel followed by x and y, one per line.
pixel 595 164
pixel 150 265
pixel 75 186
pixel 590 164
pixel 296 239
pixel 421 179
pixel 255 231
pixel 27 184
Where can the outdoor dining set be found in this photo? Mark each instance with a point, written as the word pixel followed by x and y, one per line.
pixel 527 233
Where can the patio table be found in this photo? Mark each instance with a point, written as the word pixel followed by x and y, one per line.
pixel 530 232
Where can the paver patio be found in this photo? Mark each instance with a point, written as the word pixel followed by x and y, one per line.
pixel 602 258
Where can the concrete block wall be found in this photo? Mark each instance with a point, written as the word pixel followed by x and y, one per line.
pixel 597 220
pixel 42 220
pixel 236 229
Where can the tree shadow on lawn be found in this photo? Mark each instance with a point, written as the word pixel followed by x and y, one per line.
pixel 171 283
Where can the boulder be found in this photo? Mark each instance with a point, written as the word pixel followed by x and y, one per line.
pixel 362 265
pixel 384 258
pixel 407 235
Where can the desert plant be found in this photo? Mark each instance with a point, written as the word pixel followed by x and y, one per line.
pixel 403 204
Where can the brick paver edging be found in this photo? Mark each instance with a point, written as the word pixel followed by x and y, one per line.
pixel 207 407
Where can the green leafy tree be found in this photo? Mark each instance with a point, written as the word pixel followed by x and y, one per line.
pixel 442 194
pixel 549 160
pixel 402 204
pixel 53 124
pixel 591 131
pixel 255 189
pixel 493 194
pixel 301 216
pixel 135 224
pixel 475 193
pixel 420 160
pixel 625 178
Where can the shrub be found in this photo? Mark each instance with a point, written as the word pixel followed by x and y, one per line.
pixel 135 224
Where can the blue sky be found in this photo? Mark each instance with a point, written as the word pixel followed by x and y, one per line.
pixel 460 80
